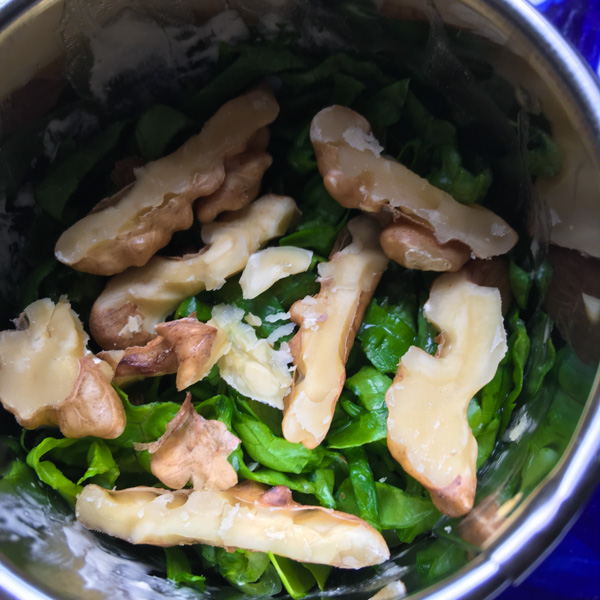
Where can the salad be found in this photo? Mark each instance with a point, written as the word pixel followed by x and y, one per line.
pixel 258 264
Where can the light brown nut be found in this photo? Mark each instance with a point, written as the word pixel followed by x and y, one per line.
pixel 93 407
pixel 267 266
pixel 154 359
pixel 193 448
pixel 242 517
pixel 428 431
pixel 134 302
pixel 573 300
pixel 47 377
pixel 129 228
pixel 197 346
pixel 328 324
pixel 491 272
pixel 243 176
pixel 414 246
pixel 123 173
pixel 185 346
pixel 358 176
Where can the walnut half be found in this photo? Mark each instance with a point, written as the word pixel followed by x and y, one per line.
pixel 357 175
pixel 127 229
pixel 328 324
pixel 134 302
pixel 246 516
pixel 428 431
pixel 47 377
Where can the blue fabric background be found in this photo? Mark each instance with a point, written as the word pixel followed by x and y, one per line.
pixel 572 571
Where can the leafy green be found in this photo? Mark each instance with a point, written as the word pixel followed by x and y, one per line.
pixel 384 108
pixel 301 156
pixel 296 578
pixel 354 470
pixel 156 128
pixel 490 412
pixel 426 331
pixel 364 428
pixel 322 219
pixel 408 514
pixel 520 284
pixel 63 180
pixel 574 377
pixel 179 569
pixel 574 381
pixel 452 177
pixel 254 62
pixel 386 333
pixel 542 354
pixel 49 473
pixel 250 572
pixel 440 558
pixel 219 407
pixel 335 64
pixel 145 423
pixel 272 451
pixel 544 156
pixel 363 485
pixel 102 467
pixel 345 90
pixel 319 572
pixel 319 483
pixel 370 386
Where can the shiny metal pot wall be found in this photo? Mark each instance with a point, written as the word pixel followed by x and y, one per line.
pixel 530 54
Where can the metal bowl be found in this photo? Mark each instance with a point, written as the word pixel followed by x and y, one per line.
pixel 529 52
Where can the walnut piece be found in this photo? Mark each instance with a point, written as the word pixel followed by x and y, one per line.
pixel 47 377
pixel 414 246
pixel 193 448
pixel 185 346
pixel 328 324
pixel 242 517
pixel 134 302
pixel 154 359
pixel 493 272
pixel 251 365
pixel 428 432
pixel 198 347
pixel 267 266
pixel 130 227
pixel 358 176
pixel 243 176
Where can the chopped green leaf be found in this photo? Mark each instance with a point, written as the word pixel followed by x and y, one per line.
pixel 272 451
pixel 179 569
pixel 102 467
pixel 387 332
pixel 60 184
pixel 363 485
pixel 361 429
pixel 156 128
pixel 438 559
pixel 49 473
pixel 370 386
pixel 296 578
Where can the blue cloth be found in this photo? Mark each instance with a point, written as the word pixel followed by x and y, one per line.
pixel 578 21
pixel 572 571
